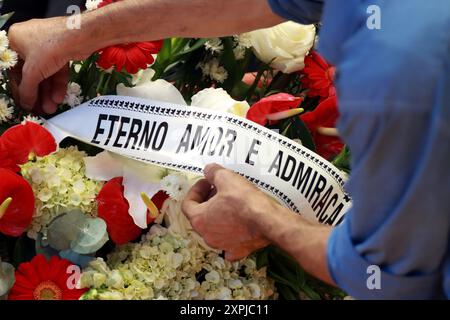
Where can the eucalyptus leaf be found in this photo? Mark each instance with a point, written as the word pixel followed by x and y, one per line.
pixel 42 247
pixel 92 237
pixel 4 19
pixel 7 277
pixel 76 258
pixel 65 228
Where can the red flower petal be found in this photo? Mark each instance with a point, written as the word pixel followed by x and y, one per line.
pixel 23 140
pixel 274 103
pixel 19 213
pixel 113 208
pixel 131 56
pixel 325 115
pixel 31 275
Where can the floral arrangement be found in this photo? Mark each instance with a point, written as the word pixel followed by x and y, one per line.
pixel 116 223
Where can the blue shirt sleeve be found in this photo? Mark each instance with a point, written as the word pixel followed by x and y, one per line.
pixel 394 102
pixel 301 11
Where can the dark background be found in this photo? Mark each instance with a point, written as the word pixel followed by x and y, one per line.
pixel 29 9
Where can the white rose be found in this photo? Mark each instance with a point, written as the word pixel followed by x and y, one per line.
pixel 283 46
pixel 219 100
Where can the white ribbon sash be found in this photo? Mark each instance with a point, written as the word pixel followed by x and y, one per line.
pixel 187 138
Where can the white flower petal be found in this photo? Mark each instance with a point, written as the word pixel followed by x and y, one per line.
pixel 159 90
pixel 134 185
pixel 103 167
pixel 219 100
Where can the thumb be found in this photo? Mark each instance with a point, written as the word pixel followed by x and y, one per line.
pixel 216 175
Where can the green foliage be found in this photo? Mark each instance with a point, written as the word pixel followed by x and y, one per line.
pixel 292 281
pixel 343 160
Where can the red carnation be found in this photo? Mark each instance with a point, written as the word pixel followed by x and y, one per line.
pixel 16 203
pixel 22 142
pixel 44 280
pixel 318 76
pixel 113 207
pixel 131 56
pixel 322 119
pixel 275 104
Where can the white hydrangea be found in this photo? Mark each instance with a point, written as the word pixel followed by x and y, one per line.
pixel 165 265
pixel 214 70
pixel 6 110
pixel 60 185
pixel 214 45
pixel 73 96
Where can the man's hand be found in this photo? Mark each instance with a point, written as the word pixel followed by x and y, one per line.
pixel 45 48
pixel 231 214
pixel 224 208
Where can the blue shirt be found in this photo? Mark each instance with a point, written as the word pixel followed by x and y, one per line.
pixel 394 98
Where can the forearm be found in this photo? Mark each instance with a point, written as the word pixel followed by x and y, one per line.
pixel 304 240
pixel 145 20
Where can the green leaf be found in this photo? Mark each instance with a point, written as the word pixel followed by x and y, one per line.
pixel 197 45
pixel 92 237
pixel 298 130
pixel 4 19
pixel 343 160
pixel 286 292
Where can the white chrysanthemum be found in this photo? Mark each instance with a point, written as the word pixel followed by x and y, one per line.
pixel 8 59
pixel 239 52
pixel 73 96
pixel 92 4
pixel 30 118
pixel 60 185
pixel 244 40
pixel 176 186
pixel 214 45
pixel 4 41
pixel 214 70
pixel 6 110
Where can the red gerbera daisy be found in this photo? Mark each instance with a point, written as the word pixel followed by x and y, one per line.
pixel 113 207
pixel 44 280
pixel 22 142
pixel 131 56
pixel 16 203
pixel 275 104
pixel 318 76
pixel 321 122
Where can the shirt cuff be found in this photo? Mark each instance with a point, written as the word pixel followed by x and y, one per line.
pixel 301 11
pixel 353 274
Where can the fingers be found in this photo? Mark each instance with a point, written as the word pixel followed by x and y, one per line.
pixel 29 86
pixel 47 103
pixel 235 255
pixel 214 173
pixel 198 194
pixel 59 85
